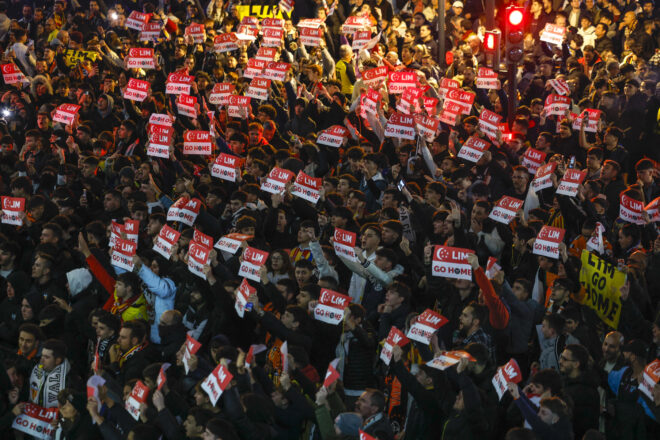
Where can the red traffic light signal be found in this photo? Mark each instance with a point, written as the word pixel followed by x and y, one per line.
pixel 491 41
pixel 514 34
pixel 515 16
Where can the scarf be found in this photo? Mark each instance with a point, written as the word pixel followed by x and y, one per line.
pixel 119 307
pixel 29 355
pixel 130 353
pixel 45 386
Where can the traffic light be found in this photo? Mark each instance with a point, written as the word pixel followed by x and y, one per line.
pixel 514 34
pixel 492 48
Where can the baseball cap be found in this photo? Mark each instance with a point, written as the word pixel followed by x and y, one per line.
pixel 457 5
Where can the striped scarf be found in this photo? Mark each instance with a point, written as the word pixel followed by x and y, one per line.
pixel 130 353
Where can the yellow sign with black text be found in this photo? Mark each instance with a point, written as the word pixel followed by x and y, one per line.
pixel 602 284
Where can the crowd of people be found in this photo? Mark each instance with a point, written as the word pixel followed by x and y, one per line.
pixel 231 220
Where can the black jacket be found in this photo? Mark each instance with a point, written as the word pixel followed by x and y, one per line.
pixel 586 402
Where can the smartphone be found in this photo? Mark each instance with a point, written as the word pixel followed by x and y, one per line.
pixel 401 184
pixel 571 164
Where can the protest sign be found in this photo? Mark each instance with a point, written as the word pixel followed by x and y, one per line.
pixel 547 241
pixel 166 239
pixel 509 372
pixel 395 337
pixel 253 259
pixel 602 283
pixel 344 244
pixel 505 209
pixel 451 262
pixel 13 210
pixel 330 308
pixel 425 325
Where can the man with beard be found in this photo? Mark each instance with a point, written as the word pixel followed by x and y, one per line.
pixel 172 334
pixel 580 386
pixel 470 328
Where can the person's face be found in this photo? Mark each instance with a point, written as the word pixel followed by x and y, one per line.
pixel 629 89
pixel 611 348
pixel 254 136
pixel 303 299
pixel 124 340
pixel 288 320
pixel 153 227
pixel 389 236
pixel 237 147
pixel 103 331
pixel 393 299
pixel 567 362
pixel 48 360
pixel 121 290
pixel 235 205
pixel 302 275
pixel 47 236
pixel 39 268
pixel 519 291
pixel 624 241
pixel 547 416
pixel 466 319
pixel 370 239
pixel 68 411
pixel 607 172
pixel 364 406
pixel 276 261
pixel 191 428
pixel 110 203
pixel 26 342
pixel 646 176
pixel 479 213
pixel 343 187
pixel 559 293
pixel 43 122
pixel 593 163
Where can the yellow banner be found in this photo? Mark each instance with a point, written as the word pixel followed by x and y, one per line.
pixel 73 57
pixel 259 11
pixel 602 283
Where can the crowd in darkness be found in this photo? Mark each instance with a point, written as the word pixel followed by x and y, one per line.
pixel 168 225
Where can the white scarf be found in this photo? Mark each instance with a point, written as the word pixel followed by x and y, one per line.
pixel 45 386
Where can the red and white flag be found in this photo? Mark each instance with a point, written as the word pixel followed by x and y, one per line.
pixel 187 106
pixel 492 267
pixel 178 84
pixel 397 82
pixel 425 325
pixel 371 101
pixel 570 182
pixel 150 31
pixel 330 308
pixel 596 243
pixel 489 122
pixel 332 374
pixel 427 126
pixel 332 136
pixel 560 86
pixel 12 210
pixel 253 259
pixel 165 241
pixel 225 42
pixel 650 379
pixel 227 167
pixel 136 20
pixel 553 34
pixel 547 242
pixel 509 372
pixel 238 106
pixel 196 31
pixel 505 209
pixel 140 58
pixel 138 396
pixel 395 337
pixel 310 36
pixel 630 210
pixel 307 187
pixel 344 244
pixel 557 104
pixel 365 436
pixel 276 70
pixel 473 149
pixel 451 262
pixel 533 159
pixel 36 421
pixel 244 291
pixel 66 113
pixel 220 92
pixel 192 346
pixel 400 126
pixel 136 90
pixel 653 210
pixel 275 182
pixel 461 98
pixel 258 89
pixel 445 85
pixel 159 145
pixel 11 74
pixel 254 350
pixel 543 176
pixel 162 375
pixel 123 252
pixel 272 37
pixel 374 76
pixel 592 119
pixel 287 5
pixel 197 142
pixel 232 242
pixel 216 383
pixel 487 79
pixel 449 358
